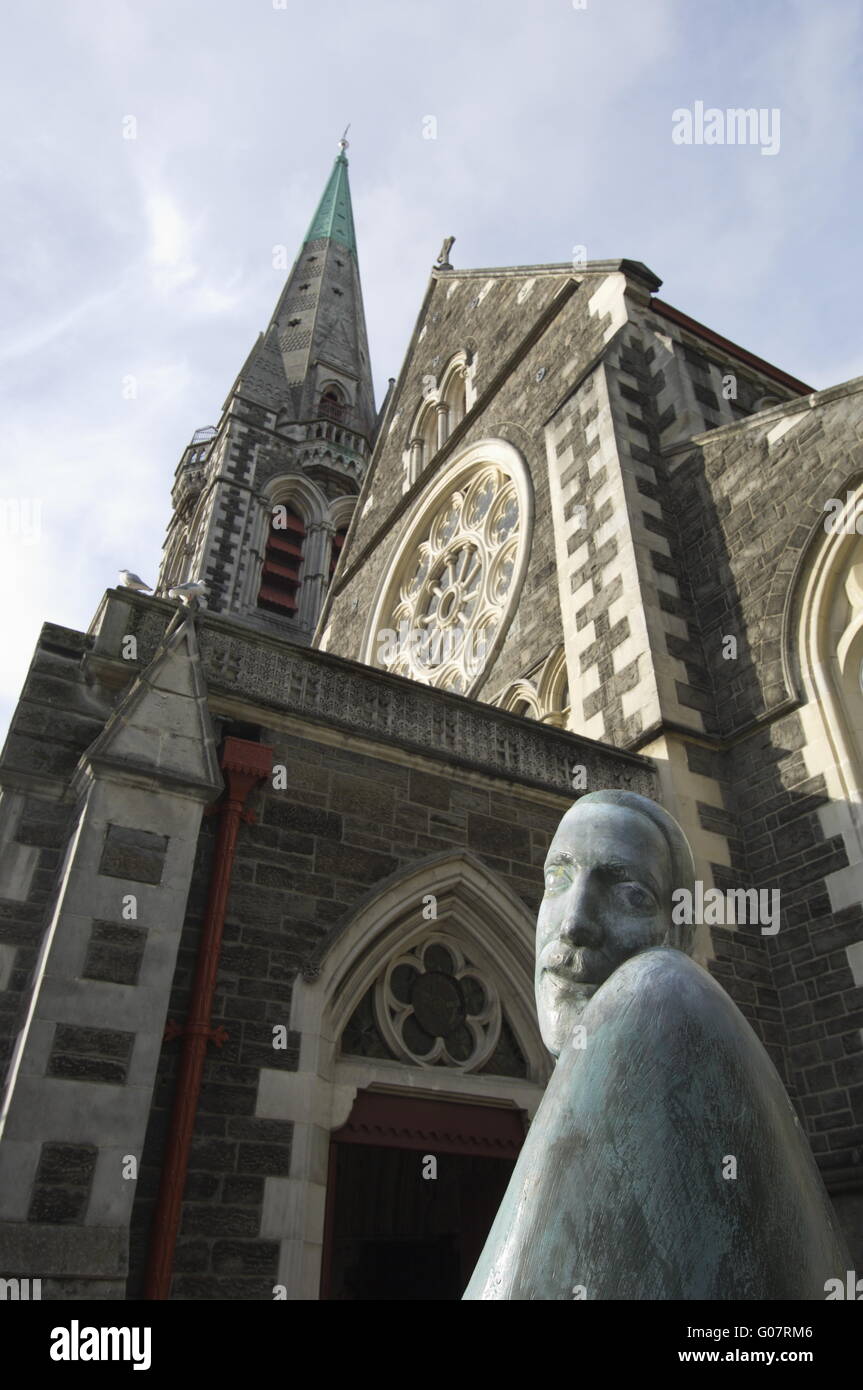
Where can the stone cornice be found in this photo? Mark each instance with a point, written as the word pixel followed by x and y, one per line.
pixel 271 673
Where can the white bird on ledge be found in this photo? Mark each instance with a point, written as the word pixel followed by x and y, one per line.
pixel 132 581
pixel 189 592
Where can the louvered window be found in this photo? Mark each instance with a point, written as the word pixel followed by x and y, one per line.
pixel 280 580
pixel 331 407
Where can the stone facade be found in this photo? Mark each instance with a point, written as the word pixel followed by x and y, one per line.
pixel 380 776
pixel 684 625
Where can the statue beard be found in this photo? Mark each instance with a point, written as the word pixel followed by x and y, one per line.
pixel 574 965
pixel 567 978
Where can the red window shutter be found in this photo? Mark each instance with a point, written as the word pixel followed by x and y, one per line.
pixel 280 578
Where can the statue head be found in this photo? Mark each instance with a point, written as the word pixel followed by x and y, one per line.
pixel 614 862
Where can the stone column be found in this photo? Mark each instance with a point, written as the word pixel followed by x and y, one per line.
pixel 442 413
pixel 417 448
pixel 260 531
pixel 316 565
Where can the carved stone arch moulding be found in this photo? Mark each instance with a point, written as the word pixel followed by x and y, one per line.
pixel 802 566
pixel 518 694
pixel 449 594
pixel 464 978
pixel 454 386
pixel 298 493
pixel 553 689
pixel 295 489
pixel 341 509
pixel 824 632
pixel 331 383
pixel 545 698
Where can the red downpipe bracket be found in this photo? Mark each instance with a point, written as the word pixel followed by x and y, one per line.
pixel 244 765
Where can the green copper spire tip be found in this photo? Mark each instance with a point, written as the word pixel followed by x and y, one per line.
pixel 334 219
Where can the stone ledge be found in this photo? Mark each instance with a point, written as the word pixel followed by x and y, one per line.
pixel 347 695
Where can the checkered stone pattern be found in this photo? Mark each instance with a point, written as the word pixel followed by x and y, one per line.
pixel 611 684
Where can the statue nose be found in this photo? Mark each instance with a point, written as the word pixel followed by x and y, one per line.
pixel 580 923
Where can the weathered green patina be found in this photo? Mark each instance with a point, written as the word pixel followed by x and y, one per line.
pixel 334 218
pixel 666 1160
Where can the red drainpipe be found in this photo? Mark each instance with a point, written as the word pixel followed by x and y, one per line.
pixel 244 765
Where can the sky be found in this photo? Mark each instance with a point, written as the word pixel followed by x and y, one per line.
pixel 155 153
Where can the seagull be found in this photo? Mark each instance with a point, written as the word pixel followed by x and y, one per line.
pixel 190 591
pixel 132 581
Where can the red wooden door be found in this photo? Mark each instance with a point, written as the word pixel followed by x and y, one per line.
pixel 399 1226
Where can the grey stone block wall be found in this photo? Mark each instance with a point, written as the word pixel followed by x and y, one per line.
pixel 747 507
pixel 741 963
pixel 820 1005
pixel 345 823
pixel 56 719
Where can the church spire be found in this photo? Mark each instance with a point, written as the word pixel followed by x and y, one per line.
pixel 315 348
pixel 297 430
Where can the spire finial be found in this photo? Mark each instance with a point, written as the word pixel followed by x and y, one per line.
pixel 344 142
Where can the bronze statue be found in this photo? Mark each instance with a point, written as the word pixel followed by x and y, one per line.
pixel 665 1160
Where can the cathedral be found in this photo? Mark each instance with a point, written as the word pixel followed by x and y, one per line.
pixel 270 859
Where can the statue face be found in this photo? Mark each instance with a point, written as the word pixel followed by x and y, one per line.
pixel 607 896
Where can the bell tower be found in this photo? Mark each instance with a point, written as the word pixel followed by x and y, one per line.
pixel 262 501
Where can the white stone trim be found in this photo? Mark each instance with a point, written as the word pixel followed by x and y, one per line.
pixel 828 642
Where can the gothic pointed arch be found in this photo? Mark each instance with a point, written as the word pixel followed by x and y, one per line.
pixel 823 649
pixel 295 510
pixel 341 510
pixel 334 402
pixel 521 697
pixel 445 402
pixel 339 519
pixel 486 985
pixel 552 688
pixel 301 491
pixel 453 388
pixel 421 438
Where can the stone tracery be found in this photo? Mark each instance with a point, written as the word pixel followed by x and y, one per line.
pixel 449 604
pixel 435 1008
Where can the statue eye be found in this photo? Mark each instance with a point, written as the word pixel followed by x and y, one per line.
pixel 635 898
pixel 556 878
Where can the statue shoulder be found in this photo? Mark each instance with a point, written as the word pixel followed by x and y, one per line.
pixel 668 988
pixel 660 965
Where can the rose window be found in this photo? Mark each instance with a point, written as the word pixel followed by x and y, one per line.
pixel 449 606
pixel 434 1008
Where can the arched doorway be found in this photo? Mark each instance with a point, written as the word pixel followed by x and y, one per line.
pixel 481 1060
pixel 414 1184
